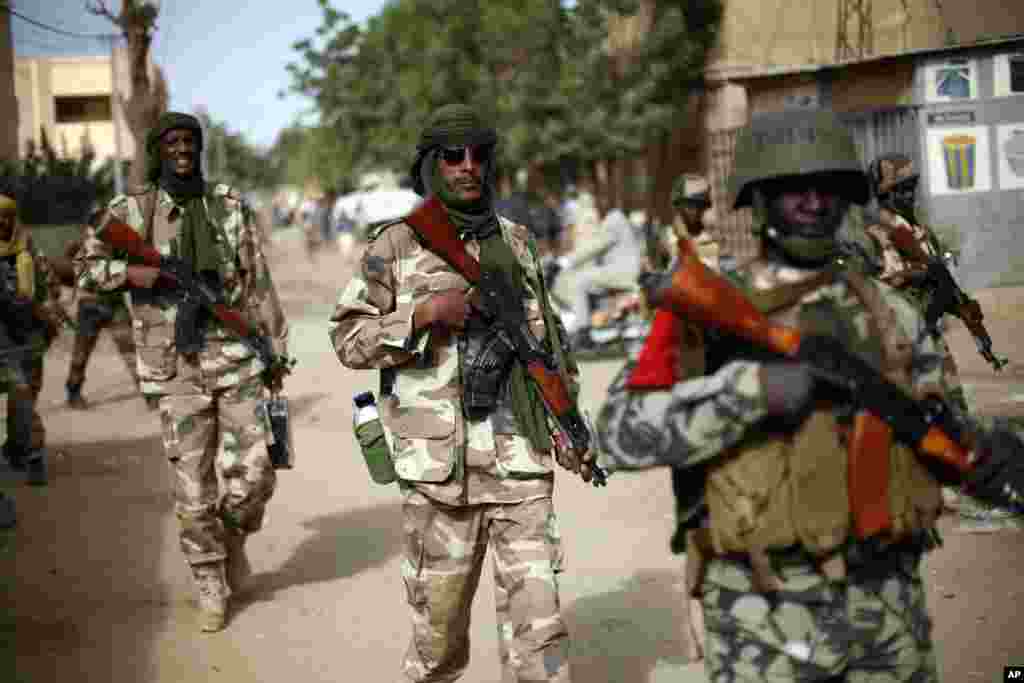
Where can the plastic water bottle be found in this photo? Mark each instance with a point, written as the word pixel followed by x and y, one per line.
pixel 370 434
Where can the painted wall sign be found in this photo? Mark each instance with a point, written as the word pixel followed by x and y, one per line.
pixel 1010 150
pixel 947 118
pixel 958 160
pixel 953 80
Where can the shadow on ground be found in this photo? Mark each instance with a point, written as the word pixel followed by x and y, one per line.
pixel 620 636
pixel 67 591
pixel 343 545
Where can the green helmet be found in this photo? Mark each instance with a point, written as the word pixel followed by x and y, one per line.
pixel 796 143
pixel 793 146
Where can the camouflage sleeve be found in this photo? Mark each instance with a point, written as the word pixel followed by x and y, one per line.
pixel 691 423
pixel 372 325
pixel 262 296
pixel 97 268
pixel 927 369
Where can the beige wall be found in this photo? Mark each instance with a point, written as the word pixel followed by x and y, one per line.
pixel 8 103
pixel 40 80
pixel 760 34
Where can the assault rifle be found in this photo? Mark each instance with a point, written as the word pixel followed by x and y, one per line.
pixel 946 295
pixel 884 410
pixel 120 235
pixel 501 302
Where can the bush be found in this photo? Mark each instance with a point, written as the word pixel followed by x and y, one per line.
pixel 55 190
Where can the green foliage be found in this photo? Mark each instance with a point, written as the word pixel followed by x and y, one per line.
pixel 50 188
pixel 538 69
pixel 232 159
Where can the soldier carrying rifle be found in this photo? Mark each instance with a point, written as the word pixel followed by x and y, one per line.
pixel 818 437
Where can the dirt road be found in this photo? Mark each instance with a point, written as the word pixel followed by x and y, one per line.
pixel 98 590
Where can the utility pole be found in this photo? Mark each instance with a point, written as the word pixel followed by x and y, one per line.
pixel 115 101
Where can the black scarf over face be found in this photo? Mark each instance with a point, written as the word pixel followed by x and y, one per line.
pixel 196 243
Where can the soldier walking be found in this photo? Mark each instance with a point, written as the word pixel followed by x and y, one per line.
pixel 209 385
pixel 472 448
pixel 894 183
pixel 29 322
pixel 98 312
pixel 796 584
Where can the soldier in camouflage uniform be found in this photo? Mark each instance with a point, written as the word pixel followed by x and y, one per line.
pixel 96 312
pixel 29 321
pixel 790 592
pixel 468 481
pixel 208 388
pixel 894 184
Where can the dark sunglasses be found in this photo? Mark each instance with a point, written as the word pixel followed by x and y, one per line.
pixel 456 154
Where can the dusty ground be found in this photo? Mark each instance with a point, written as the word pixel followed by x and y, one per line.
pixel 98 591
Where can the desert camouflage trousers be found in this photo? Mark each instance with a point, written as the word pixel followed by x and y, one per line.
pixel 85 344
pixel 216 446
pixel 443 557
pixel 871 628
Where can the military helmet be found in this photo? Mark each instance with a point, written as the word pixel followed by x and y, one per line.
pixel 892 171
pixel 691 189
pixel 785 145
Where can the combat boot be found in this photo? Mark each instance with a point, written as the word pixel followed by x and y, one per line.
pixel 238 567
pixel 35 466
pixel 74 396
pixel 213 596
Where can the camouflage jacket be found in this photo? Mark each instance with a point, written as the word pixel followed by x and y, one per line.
pixel 47 288
pixel 248 287
pixel 447 457
pixel 702 418
pixel 894 264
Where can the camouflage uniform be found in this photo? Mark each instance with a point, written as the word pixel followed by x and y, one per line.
pixel 211 433
pixel 465 484
pixel 98 312
pixel 790 592
pixel 894 267
pixel 26 443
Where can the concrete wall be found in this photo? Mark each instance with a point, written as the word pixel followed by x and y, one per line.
pixel 985 200
pixel 8 101
pixel 40 80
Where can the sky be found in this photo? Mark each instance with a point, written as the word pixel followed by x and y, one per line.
pixel 226 55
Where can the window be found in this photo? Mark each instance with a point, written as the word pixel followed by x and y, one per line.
pixel 1009 74
pixel 83 109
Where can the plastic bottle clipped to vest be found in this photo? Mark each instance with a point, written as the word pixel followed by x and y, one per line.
pixel 370 434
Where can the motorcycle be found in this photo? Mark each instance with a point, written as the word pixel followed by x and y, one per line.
pixel 618 322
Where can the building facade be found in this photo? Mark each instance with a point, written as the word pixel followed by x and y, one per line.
pixel 957 111
pixel 71 98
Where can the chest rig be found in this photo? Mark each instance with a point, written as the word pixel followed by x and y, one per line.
pixel 780 489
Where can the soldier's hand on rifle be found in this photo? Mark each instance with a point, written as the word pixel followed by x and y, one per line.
pixel 449 308
pixel 788 390
pixel 571 459
pixel 142 277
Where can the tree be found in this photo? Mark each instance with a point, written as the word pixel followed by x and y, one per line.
pixel 545 74
pixel 149 97
pixel 232 159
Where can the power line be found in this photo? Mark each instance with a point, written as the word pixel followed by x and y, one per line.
pixel 54 29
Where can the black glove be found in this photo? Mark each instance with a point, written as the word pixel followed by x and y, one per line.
pixel 788 390
pixel 998 475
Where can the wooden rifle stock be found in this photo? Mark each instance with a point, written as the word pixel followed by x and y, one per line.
pixel 120 235
pixel 430 221
pixel 697 293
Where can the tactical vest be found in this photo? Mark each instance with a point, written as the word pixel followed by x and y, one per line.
pixel 779 489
